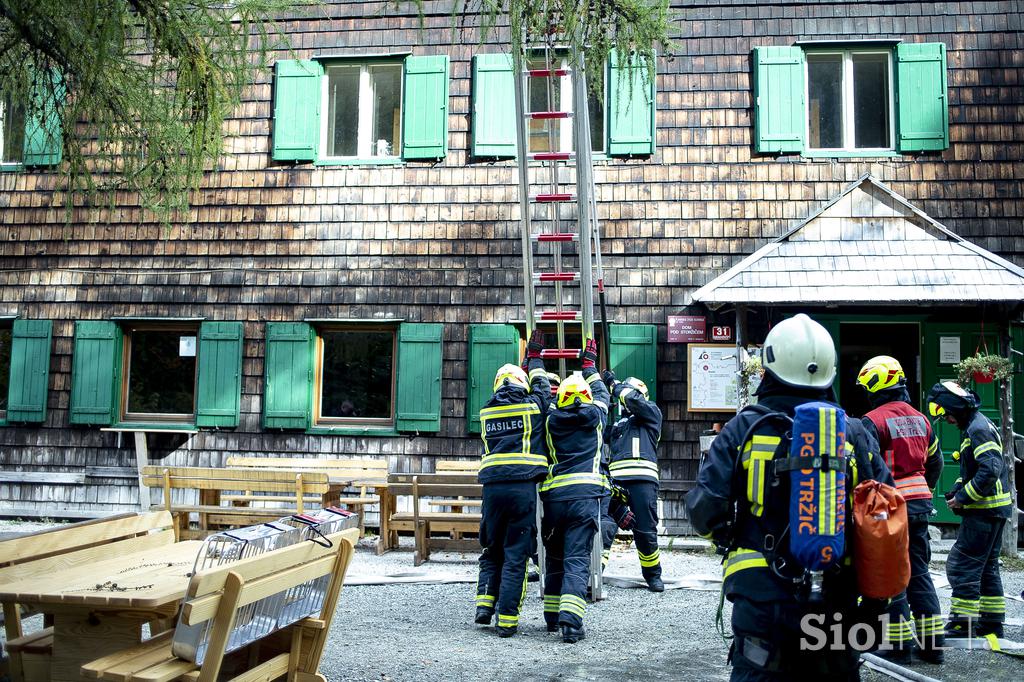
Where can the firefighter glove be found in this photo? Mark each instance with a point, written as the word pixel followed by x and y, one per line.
pixel 608 377
pixel 536 344
pixel 590 354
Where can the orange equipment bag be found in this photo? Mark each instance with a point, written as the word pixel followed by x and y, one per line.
pixel 881 540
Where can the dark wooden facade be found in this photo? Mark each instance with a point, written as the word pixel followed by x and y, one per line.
pixel 439 242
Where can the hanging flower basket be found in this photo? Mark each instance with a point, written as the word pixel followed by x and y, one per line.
pixel 983 368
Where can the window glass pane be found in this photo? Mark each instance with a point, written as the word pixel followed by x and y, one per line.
pixel 12 132
pixel 595 109
pixel 162 372
pixel 825 105
pixel 357 376
pixel 5 365
pixel 386 82
pixel 342 110
pixel 871 100
pixel 543 100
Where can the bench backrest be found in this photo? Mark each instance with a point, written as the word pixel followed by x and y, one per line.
pixel 77 545
pixel 253 480
pixel 435 485
pixel 221 594
pixel 444 466
pixel 357 470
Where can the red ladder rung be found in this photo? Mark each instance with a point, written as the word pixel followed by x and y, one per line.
pixel 552 156
pixel 549 198
pixel 546 73
pixel 557 276
pixel 541 115
pixel 559 315
pixel 557 237
pixel 560 353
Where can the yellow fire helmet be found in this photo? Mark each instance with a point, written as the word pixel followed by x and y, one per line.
pixel 572 387
pixel 514 374
pixel 881 372
pixel 636 384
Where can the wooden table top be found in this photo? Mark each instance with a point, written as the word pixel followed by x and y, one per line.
pixel 141 580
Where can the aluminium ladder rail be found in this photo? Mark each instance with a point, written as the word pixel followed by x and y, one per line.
pixel 580 228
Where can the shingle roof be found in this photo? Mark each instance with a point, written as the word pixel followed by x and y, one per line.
pixel 867 245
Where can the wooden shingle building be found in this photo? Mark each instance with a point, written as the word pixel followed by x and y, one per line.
pixel 349 278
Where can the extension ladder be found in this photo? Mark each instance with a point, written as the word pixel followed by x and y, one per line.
pixel 558 210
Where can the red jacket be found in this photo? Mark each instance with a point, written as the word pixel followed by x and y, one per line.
pixel 911 451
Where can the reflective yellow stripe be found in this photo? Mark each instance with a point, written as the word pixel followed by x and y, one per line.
pixel 537 371
pixel 964 607
pixel 756 454
pixel 929 625
pixel 551 603
pixel 971 492
pixel 933 447
pixel 507 621
pixel 649 560
pixel 742 559
pixel 500 458
pixel 572 604
pixel 519 410
pixel 987 447
pixel 990 502
pixel 563 480
pixel 593 378
pixel 634 462
pixel 485 600
pixel 992 604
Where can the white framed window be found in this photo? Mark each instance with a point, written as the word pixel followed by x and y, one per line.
pixel 355 376
pixel 363 105
pixel 850 101
pixel 556 134
pixel 159 373
pixel 12 131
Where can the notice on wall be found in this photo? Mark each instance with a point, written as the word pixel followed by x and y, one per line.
pixel 713 376
pixel 187 346
pixel 949 350
pixel 687 328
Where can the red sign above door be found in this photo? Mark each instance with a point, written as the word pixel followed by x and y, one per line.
pixel 687 328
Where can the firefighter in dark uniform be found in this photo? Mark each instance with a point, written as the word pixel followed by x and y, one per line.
pixel 911 451
pixel 740 504
pixel 982 498
pixel 572 494
pixel 633 442
pixel 515 458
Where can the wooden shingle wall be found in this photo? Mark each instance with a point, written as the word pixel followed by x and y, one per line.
pixel 440 243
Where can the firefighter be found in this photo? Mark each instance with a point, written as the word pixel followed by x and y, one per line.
pixel 572 494
pixel 911 451
pixel 515 458
pixel 981 497
pixel 633 442
pixel 743 506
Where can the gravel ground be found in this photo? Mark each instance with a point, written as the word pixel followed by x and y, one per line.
pixel 406 632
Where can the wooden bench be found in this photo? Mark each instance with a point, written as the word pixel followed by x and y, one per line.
pixel 454 491
pixel 351 479
pixel 290 492
pixel 457 466
pixel 221 596
pixel 40 554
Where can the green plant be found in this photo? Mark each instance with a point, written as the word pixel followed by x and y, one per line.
pixel 983 367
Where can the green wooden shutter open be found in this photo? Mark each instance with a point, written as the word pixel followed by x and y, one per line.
pixel 1017 343
pixel 490 347
pixel 631 117
pixel 95 371
pixel 219 392
pixel 44 139
pixel 494 107
pixel 30 370
pixel 779 108
pixel 921 100
pixel 419 377
pixel 288 375
pixel 296 109
pixel 425 107
pixel 634 353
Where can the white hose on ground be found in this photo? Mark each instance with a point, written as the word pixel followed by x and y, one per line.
pixel 895 671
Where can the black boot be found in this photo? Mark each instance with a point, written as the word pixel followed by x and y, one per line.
pixel 988 627
pixel 507 632
pixel 960 628
pixel 655 584
pixel 899 655
pixel 929 655
pixel 552 627
pixel 571 635
pixel 483 615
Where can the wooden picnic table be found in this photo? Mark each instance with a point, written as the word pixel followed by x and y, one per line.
pixel 100 607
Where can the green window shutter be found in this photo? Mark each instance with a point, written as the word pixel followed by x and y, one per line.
pixel 296 109
pixel 490 347
pixel 288 375
pixel 95 370
pixel 419 377
pixel 44 139
pixel 425 109
pixel 494 107
pixel 30 370
pixel 634 353
pixel 779 108
pixel 1017 343
pixel 220 374
pixel 922 105
pixel 631 107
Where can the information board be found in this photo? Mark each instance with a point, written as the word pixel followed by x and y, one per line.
pixel 713 377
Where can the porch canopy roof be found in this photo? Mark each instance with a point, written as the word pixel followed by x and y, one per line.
pixel 868 245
